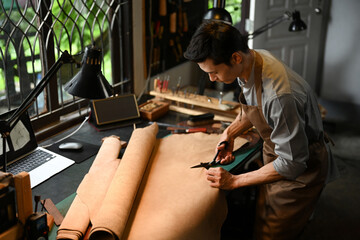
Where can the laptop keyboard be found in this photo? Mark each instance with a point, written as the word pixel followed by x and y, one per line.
pixel 30 162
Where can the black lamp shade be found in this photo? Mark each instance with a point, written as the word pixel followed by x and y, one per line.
pixel 89 82
pixel 219 14
pixel 297 24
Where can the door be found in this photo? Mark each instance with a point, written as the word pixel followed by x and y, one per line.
pixel 302 51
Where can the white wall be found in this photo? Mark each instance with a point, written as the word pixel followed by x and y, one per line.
pixel 341 72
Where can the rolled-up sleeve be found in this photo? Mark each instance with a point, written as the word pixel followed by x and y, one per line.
pixel 288 135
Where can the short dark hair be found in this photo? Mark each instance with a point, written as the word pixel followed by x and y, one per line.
pixel 215 40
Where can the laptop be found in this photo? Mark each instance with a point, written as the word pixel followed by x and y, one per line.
pixel 24 154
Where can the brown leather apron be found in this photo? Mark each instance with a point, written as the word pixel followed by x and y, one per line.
pixel 284 207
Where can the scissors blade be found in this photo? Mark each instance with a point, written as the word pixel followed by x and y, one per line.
pixel 207 165
pixel 204 165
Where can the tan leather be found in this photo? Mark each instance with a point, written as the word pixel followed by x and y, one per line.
pixel 117 204
pixel 155 194
pixel 91 191
pixel 175 201
pixel 172 201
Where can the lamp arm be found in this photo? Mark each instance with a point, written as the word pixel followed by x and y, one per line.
pixel 276 21
pixel 7 125
pixel 108 88
pixel 64 58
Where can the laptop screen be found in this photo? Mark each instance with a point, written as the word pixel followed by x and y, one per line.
pixel 21 140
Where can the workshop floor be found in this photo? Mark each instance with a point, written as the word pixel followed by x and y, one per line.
pixel 337 214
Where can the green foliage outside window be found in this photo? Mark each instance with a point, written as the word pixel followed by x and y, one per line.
pixel 233 7
pixel 75 26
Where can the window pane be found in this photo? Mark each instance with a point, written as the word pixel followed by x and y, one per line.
pixel 233 7
pixel 19 56
pixel 32 39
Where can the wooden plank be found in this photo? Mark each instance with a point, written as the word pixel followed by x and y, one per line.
pixel 232 108
pixel 53 211
pixel 188 111
pixel 23 196
pixel 16 232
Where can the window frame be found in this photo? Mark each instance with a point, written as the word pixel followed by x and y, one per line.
pixel 58 114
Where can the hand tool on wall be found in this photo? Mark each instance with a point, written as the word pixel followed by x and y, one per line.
pixel 162 8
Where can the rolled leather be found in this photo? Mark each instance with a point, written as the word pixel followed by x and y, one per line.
pixel 154 193
pixel 91 191
pixel 122 191
pixel 171 200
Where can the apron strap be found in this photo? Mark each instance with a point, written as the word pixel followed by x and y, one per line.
pixel 258 77
pixel 328 139
pixel 258 85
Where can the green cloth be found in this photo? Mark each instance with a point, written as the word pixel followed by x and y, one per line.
pixel 241 156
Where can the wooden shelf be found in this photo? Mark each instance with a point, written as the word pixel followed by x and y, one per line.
pixel 194 104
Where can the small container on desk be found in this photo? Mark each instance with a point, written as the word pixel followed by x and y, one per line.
pixel 153 109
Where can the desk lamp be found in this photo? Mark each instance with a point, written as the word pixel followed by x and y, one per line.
pixel 296 25
pixel 218 13
pixel 87 83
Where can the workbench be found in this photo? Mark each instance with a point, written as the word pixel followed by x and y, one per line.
pixel 61 188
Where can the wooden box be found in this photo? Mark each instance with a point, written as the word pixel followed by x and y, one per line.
pixel 153 109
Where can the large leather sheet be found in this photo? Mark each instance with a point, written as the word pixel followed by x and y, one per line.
pixel 175 201
pixel 154 193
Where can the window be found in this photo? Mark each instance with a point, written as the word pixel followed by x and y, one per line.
pixel 233 7
pixel 33 34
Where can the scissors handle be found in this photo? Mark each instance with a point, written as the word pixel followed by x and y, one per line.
pixel 207 165
pixel 214 162
pixel 224 142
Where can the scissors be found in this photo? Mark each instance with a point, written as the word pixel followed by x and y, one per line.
pixel 207 165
